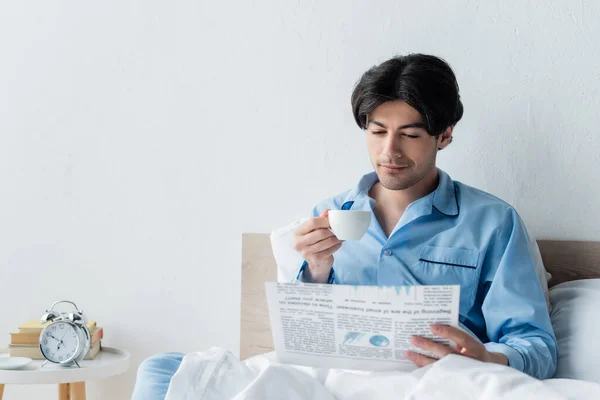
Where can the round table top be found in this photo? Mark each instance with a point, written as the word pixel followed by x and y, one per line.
pixel 108 362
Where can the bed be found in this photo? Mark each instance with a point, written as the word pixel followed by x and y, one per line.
pixel 218 374
pixel 565 260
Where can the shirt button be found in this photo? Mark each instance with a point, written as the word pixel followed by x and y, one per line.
pixel 387 252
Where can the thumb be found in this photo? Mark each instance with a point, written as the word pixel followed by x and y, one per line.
pixel 324 213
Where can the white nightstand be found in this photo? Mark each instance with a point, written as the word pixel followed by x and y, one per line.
pixel 71 381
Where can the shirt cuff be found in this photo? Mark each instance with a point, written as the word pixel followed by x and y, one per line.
pixel 300 276
pixel 515 359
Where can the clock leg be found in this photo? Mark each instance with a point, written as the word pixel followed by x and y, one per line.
pixel 1 390
pixel 78 391
pixel 64 391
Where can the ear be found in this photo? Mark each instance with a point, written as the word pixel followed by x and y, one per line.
pixel 445 138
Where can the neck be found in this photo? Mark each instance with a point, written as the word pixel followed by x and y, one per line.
pixel 401 199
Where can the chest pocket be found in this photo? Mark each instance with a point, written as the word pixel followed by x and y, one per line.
pixel 451 266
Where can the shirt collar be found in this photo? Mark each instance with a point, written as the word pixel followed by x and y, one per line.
pixel 444 196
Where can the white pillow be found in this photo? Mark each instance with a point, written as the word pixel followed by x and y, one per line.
pixel 289 260
pixel 575 313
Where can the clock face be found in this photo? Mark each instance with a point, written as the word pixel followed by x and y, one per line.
pixel 59 342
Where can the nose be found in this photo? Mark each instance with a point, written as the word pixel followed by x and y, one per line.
pixel 391 148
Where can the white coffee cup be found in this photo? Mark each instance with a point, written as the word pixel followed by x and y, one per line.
pixel 349 224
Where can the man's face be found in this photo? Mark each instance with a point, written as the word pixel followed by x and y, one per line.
pixel 401 150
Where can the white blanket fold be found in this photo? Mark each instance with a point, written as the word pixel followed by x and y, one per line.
pixel 215 374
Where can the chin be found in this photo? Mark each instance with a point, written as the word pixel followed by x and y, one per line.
pixel 396 185
pixel 394 182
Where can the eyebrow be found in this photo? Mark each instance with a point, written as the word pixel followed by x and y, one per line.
pixel 411 125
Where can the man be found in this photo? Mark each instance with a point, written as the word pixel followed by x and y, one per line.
pixel 427 230
pixel 430 230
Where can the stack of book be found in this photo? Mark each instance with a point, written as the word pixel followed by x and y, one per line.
pixel 26 342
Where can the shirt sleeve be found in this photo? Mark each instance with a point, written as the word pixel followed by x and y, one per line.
pixel 517 320
pixel 300 276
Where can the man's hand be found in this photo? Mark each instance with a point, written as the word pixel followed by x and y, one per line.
pixel 466 345
pixel 317 243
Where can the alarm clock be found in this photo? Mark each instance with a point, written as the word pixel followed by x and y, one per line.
pixel 66 340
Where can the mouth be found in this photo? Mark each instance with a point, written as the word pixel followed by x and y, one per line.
pixel 393 168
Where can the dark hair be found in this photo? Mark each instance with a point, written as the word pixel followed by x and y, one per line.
pixel 425 82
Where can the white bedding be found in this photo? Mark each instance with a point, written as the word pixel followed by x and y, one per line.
pixel 215 374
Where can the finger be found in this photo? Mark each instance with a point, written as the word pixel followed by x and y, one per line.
pixel 324 245
pixel 312 225
pixel 322 255
pixel 325 213
pixel 460 337
pixel 440 350
pixel 418 359
pixel 314 237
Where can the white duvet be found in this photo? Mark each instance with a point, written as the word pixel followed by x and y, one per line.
pixel 215 374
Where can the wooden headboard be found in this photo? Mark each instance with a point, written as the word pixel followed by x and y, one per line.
pixel 565 260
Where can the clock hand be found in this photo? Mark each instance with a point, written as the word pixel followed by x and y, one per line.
pixel 60 341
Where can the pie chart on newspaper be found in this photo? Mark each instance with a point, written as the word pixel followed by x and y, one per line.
pixel 379 341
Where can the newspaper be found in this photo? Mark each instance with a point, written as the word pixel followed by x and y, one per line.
pixel 356 327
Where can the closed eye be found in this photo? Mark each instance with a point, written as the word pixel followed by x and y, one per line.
pixel 410 136
pixel 378 132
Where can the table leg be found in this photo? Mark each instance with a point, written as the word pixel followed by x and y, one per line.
pixel 1 390
pixel 78 391
pixel 64 391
